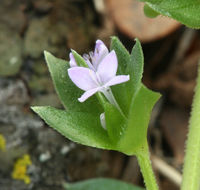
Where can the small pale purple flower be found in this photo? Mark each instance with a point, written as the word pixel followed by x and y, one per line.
pixel 100 74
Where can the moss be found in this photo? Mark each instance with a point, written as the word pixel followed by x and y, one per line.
pixel 20 169
pixel 2 143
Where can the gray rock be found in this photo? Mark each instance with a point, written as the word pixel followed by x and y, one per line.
pixel 14 119
pixel 42 35
pixel 50 99
pixel 10 51
pixel 40 83
pixel 11 14
pixel 13 92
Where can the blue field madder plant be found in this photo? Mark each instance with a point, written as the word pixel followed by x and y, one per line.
pixel 106 104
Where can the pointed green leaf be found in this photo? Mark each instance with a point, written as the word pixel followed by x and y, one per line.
pixel 131 64
pixel 141 101
pixel 123 56
pixel 120 91
pixel 83 128
pixel 135 134
pixel 66 90
pixel 185 11
pixel 79 60
pixel 135 70
pixel 101 184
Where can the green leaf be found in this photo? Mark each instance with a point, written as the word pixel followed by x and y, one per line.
pixel 101 184
pixel 123 56
pixel 66 90
pixel 115 122
pixel 133 65
pixel 79 60
pixel 83 128
pixel 185 11
pixel 120 91
pixel 135 70
pixel 135 135
pixel 138 104
pixel 149 12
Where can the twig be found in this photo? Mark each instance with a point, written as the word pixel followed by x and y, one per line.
pixel 182 47
pixel 167 170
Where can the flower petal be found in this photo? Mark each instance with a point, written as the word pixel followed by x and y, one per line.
pixel 100 52
pixel 72 61
pixel 100 48
pixel 87 94
pixel 84 78
pixel 103 120
pixel 117 80
pixel 107 69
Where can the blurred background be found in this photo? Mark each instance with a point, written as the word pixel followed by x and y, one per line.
pixel 34 156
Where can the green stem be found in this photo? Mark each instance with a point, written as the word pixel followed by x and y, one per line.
pixel 191 169
pixel 146 169
pixel 109 95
